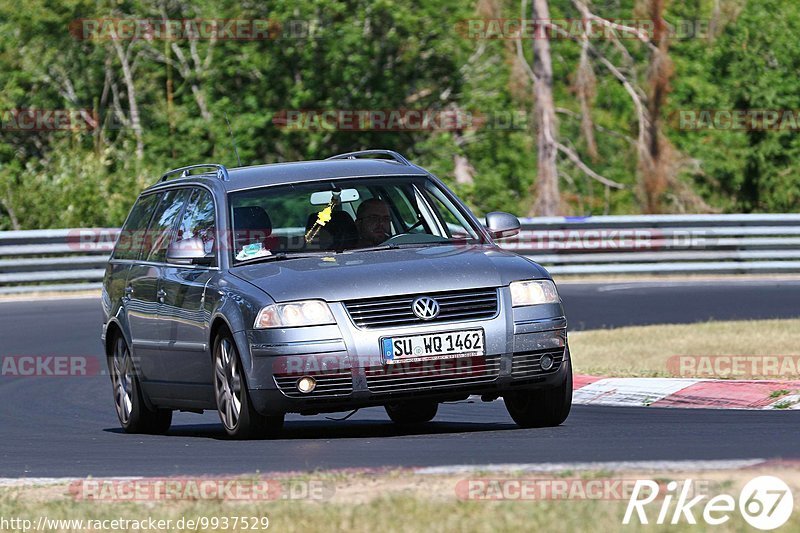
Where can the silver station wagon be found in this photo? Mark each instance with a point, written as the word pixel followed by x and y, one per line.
pixel 325 286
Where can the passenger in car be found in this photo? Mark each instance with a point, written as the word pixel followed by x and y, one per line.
pixel 373 222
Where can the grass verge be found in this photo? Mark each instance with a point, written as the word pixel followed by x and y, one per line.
pixel 645 351
pixel 405 501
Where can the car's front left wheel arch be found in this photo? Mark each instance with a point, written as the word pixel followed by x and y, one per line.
pixel 234 403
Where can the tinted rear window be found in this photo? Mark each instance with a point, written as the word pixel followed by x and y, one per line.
pixel 129 244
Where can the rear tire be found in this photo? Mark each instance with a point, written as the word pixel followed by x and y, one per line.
pixel 411 412
pixel 132 411
pixel 542 408
pixel 234 405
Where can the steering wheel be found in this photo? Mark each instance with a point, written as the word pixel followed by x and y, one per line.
pixel 417 224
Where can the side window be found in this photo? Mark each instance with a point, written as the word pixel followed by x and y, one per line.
pixel 161 227
pixel 455 223
pixel 399 198
pixel 199 221
pixel 132 236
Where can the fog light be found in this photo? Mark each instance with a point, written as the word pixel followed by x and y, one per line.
pixel 306 384
pixel 547 362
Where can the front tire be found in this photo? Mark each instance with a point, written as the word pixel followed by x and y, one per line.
pixel 133 414
pixel 235 408
pixel 412 412
pixel 542 408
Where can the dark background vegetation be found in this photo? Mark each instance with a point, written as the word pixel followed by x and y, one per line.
pixel 162 104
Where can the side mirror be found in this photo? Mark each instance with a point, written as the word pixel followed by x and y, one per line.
pixel 189 252
pixel 502 225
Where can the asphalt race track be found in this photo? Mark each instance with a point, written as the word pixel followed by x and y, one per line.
pixel 614 305
pixel 58 426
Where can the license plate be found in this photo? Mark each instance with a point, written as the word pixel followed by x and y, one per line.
pixel 449 345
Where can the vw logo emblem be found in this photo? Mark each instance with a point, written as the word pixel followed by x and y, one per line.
pixel 425 308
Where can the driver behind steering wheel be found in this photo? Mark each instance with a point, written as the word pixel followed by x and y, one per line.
pixel 373 223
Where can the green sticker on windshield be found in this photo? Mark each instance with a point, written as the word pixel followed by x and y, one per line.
pixel 252 250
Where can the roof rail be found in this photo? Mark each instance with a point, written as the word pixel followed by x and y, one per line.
pixel 355 155
pixel 222 172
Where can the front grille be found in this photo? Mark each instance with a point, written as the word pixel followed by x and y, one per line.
pixel 526 365
pixel 426 375
pixel 328 385
pixel 395 311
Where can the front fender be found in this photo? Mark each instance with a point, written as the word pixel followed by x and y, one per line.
pixel 238 314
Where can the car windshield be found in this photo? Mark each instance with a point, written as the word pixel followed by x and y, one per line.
pixel 341 215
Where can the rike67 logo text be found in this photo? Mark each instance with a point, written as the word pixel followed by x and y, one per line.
pixel 765 503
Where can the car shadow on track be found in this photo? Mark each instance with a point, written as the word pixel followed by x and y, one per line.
pixel 335 429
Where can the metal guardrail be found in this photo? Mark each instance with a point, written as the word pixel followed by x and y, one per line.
pixel 662 244
pixel 54 260
pixel 73 259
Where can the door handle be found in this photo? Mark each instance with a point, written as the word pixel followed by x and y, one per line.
pixel 161 295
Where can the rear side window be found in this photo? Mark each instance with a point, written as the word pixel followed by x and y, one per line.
pixel 163 224
pixel 199 221
pixel 129 244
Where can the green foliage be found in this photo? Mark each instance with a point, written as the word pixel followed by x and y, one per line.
pixel 376 55
pixel 753 65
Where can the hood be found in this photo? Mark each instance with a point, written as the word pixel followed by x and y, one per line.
pixel 355 275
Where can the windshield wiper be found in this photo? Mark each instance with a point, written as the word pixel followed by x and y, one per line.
pixel 398 245
pixel 390 246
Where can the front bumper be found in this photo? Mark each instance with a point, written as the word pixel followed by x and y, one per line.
pixel 350 374
pixel 275 401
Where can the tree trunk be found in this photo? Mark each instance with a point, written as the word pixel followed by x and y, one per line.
pixel 548 199
pixel 585 88
pixel 170 107
pixel 464 171
pixel 127 75
pixel 655 168
pixel 12 216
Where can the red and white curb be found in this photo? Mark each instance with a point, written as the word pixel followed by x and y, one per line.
pixel 686 393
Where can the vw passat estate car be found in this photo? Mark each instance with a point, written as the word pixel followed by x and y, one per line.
pixel 324 286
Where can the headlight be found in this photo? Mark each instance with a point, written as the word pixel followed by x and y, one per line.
pixel 533 293
pixel 289 315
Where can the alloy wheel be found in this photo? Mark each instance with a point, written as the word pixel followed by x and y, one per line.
pixel 122 380
pixel 228 384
